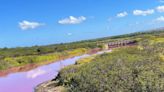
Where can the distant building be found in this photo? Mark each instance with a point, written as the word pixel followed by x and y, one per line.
pixel 121 43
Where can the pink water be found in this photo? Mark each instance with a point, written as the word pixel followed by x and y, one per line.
pixel 27 81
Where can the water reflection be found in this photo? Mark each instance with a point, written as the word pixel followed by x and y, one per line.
pixel 35 73
pixel 26 81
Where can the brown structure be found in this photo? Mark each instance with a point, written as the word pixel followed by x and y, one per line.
pixel 121 43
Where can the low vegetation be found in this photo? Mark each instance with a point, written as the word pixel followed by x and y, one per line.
pixel 85 60
pixel 128 69
pixel 9 62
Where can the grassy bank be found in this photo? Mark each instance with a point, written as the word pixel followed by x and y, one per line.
pixel 9 62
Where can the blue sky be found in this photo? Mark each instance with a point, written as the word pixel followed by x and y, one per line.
pixel 43 22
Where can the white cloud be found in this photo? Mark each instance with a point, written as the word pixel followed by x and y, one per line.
pixel 160 19
pixel 25 25
pixel 72 20
pixel 69 34
pixel 160 8
pixel 161 1
pixel 122 14
pixel 35 73
pixel 143 13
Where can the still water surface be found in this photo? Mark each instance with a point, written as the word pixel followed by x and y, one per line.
pixel 27 81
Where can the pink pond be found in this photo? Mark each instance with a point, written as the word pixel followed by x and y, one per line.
pixel 27 81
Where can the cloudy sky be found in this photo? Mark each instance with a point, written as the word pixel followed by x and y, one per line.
pixel 42 22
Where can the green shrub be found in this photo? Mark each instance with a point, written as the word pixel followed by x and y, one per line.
pixel 125 70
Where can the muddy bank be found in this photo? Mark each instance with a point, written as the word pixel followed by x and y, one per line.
pixel 4 73
pixel 27 67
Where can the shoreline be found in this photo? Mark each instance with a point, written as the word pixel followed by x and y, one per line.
pixel 52 85
pixel 27 67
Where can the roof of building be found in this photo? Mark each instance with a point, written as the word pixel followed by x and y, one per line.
pixel 121 42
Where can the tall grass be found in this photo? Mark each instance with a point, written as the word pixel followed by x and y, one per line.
pixel 35 59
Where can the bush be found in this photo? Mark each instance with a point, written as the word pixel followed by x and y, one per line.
pixel 125 70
